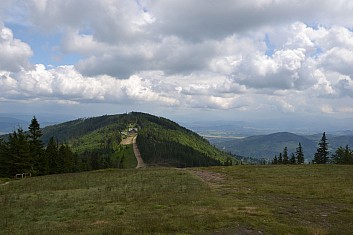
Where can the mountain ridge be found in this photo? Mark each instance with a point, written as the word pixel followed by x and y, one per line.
pixel 160 140
pixel 267 146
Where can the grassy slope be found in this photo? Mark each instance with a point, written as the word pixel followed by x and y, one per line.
pixel 305 199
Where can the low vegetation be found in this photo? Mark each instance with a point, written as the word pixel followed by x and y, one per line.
pixel 274 199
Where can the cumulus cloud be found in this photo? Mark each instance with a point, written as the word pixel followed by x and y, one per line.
pixel 65 83
pixel 14 53
pixel 203 54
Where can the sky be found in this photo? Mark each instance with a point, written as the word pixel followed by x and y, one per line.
pixel 185 60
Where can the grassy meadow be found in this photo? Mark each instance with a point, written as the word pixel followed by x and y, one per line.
pixel 306 199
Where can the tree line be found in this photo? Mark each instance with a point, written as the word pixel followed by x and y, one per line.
pixel 342 155
pixel 25 152
pixel 284 158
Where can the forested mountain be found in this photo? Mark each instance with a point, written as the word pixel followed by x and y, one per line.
pixel 161 141
pixel 267 146
pixel 96 143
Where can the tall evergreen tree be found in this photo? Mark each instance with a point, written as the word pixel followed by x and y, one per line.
pixel 4 161
pixel 52 154
pixel 280 159
pixel 343 155
pixel 299 154
pixel 292 159
pixel 322 154
pixel 38 160
pixel 67 159
pixel 285 156
pixel 35 133
pixel 275 160
pixel 19 153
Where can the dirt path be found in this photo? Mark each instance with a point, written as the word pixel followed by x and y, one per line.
pixel 132 140
pixel 140 163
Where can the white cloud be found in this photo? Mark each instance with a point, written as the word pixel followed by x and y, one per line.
pixel 14 53
pixel 244 55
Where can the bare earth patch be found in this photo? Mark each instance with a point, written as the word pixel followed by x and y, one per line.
pixel 100 222
pixel 209 177
pixel 128 140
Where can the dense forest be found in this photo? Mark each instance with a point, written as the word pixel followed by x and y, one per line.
pixel 25 152
pixel 165 142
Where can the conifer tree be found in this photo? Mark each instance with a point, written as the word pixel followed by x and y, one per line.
pixel 38 160
pixel 67 159
pixel 19 154
pixel 299 154
pixel 51 153
pixel 343 155
pixel 292 159
pixel 285 156
pixel 4 161
pixel 322 153
pixel 275 160
pixel 280 159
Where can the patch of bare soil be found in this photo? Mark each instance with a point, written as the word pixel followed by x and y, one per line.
pixel 209 177
pixel 128 140
pixel 100 222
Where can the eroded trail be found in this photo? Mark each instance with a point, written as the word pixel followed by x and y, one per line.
pixel 132 140
pixel 137 153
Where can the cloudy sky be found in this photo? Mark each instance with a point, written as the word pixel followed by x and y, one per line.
pixel 194 58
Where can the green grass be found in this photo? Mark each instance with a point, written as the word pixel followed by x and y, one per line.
pixel 125 155
pixel 305 199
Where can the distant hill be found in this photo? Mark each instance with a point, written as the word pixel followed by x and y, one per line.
pixel 161 141
pixel 8 124
pixel 267 146
pixel 12 121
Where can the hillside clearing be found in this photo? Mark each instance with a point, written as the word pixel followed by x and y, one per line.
pixel 131 140
pixel 306 199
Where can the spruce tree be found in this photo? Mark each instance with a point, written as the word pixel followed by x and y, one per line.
pixel 19 153
pixel 343 155
pixel 285 156
pixel 4 161
pixel 52 153
pixel 299 154
pixel 292 159
pixel 67 158
pixel 38 160
pixel 275 160
pixel 322 154
pixel 280 159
